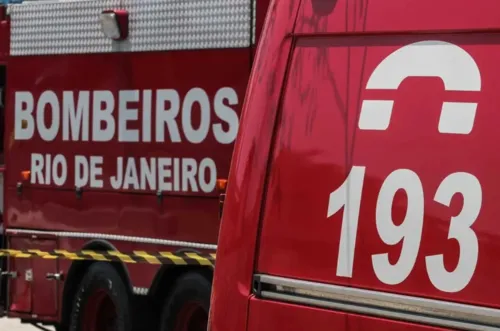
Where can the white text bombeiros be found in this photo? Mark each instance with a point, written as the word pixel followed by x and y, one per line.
pixel 160 116
pixel 96 116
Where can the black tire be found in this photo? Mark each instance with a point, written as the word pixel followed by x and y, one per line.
pixel 60 328
pixel 102 278
pixel 189 289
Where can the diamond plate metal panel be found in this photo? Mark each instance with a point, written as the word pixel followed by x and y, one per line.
pixel 70 27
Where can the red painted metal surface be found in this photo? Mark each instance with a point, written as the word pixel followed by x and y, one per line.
pixel 274 316
pixel 364 323
pixel 361 16
pixel 283 227
pixel 303 162
pixel 180 70
pixel 239 226
pixel 271 316
pixel 4 35
pixel 104 210
pixel 175 218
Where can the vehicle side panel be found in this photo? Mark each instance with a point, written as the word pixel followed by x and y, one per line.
pixel 173 218
pixel 367 323
pixel 322 130
pixel 269 316
pixel 179 71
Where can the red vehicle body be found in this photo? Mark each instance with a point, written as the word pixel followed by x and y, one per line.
pixel 116 145
pixel 362 192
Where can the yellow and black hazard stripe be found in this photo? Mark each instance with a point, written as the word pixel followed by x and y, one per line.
pixel 184 258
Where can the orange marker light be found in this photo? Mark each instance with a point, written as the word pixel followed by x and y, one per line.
pixel 221 185
pixel 25 175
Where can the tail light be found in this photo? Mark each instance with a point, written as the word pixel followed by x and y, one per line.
pixel 25 175
pixel 221 187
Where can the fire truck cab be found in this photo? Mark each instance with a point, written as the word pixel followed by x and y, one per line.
pixel 363 190
pixel 120 118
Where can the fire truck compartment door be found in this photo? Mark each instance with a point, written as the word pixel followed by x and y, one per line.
pixel 44 290
pixel 20 283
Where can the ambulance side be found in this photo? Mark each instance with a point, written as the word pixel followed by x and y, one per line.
pixel 363 191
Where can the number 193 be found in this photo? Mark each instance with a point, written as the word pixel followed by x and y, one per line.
pixel 409 232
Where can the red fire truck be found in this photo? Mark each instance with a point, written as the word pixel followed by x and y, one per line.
pixel 120 119
pixel 363 192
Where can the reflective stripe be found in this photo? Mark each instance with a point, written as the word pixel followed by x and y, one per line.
pixel 177 258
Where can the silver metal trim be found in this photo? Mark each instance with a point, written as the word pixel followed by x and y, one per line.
pixel 114 237
pixel 381 304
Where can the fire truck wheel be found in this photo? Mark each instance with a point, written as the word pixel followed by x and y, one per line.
pixel 186 309
pixel 101 302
